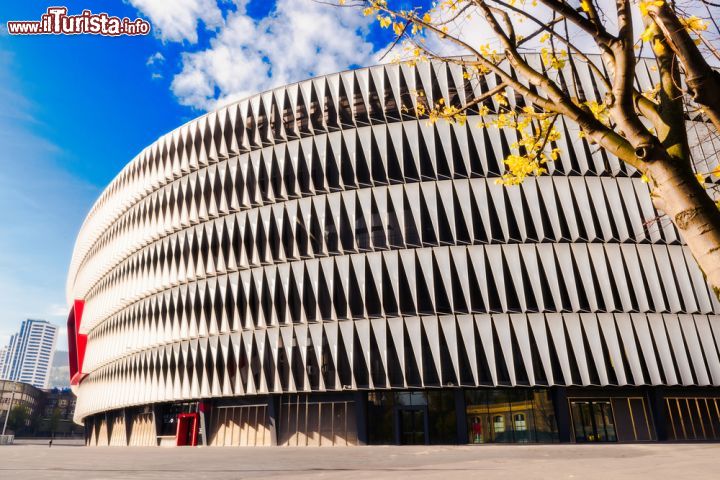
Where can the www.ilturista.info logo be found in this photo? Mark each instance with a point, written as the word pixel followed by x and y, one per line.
pixel 57 22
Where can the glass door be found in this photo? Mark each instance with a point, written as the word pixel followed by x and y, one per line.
pixel 593 421
pixel 582 421
pixel 412 426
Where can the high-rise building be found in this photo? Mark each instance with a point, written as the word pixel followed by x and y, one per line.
pixel 320 265
pixel 3 353
pixel 30 353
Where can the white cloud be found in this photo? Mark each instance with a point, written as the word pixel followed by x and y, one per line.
pixel 156 58
pixel 178 20
pixel 296 40
pixel 154 63
pixel 57 310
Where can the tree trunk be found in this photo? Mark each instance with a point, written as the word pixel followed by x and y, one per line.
pixel 676 192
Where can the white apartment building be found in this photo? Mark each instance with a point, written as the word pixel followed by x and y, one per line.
pixel 29 355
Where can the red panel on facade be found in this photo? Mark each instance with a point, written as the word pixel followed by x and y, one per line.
pixel 187 429
pixel 76 342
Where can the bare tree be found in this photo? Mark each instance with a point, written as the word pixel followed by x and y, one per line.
pixel 646 130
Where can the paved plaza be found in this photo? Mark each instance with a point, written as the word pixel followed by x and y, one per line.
pixel 661 461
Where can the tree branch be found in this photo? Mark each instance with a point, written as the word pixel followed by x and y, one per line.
pixel 670 125
pixel 701 79
pixel 596 30
pixel 645 106
pixel 479 58
pixel 560 103
pixel 621 103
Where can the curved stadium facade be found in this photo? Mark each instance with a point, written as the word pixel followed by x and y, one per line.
pixel 316 265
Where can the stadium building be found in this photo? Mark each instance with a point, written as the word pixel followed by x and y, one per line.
pixel 319 265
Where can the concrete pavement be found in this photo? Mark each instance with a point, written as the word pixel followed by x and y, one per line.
pixel 660 461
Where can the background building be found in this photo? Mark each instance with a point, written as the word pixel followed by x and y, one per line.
pixel 38 413
pixel 26 401
pixel 58 408
pixel 30 352
pixel 319 265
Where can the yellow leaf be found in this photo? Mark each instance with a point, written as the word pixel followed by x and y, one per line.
pixel 427 18
pixel 653 93
pixel 648 34
pixel 398 28
pixel 694 23
pixel 500 99
pixel 556 60
pixel 700 178
pixel 644 5
pixel 585 5
pixel 658 47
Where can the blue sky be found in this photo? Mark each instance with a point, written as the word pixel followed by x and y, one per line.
pixel 76 109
